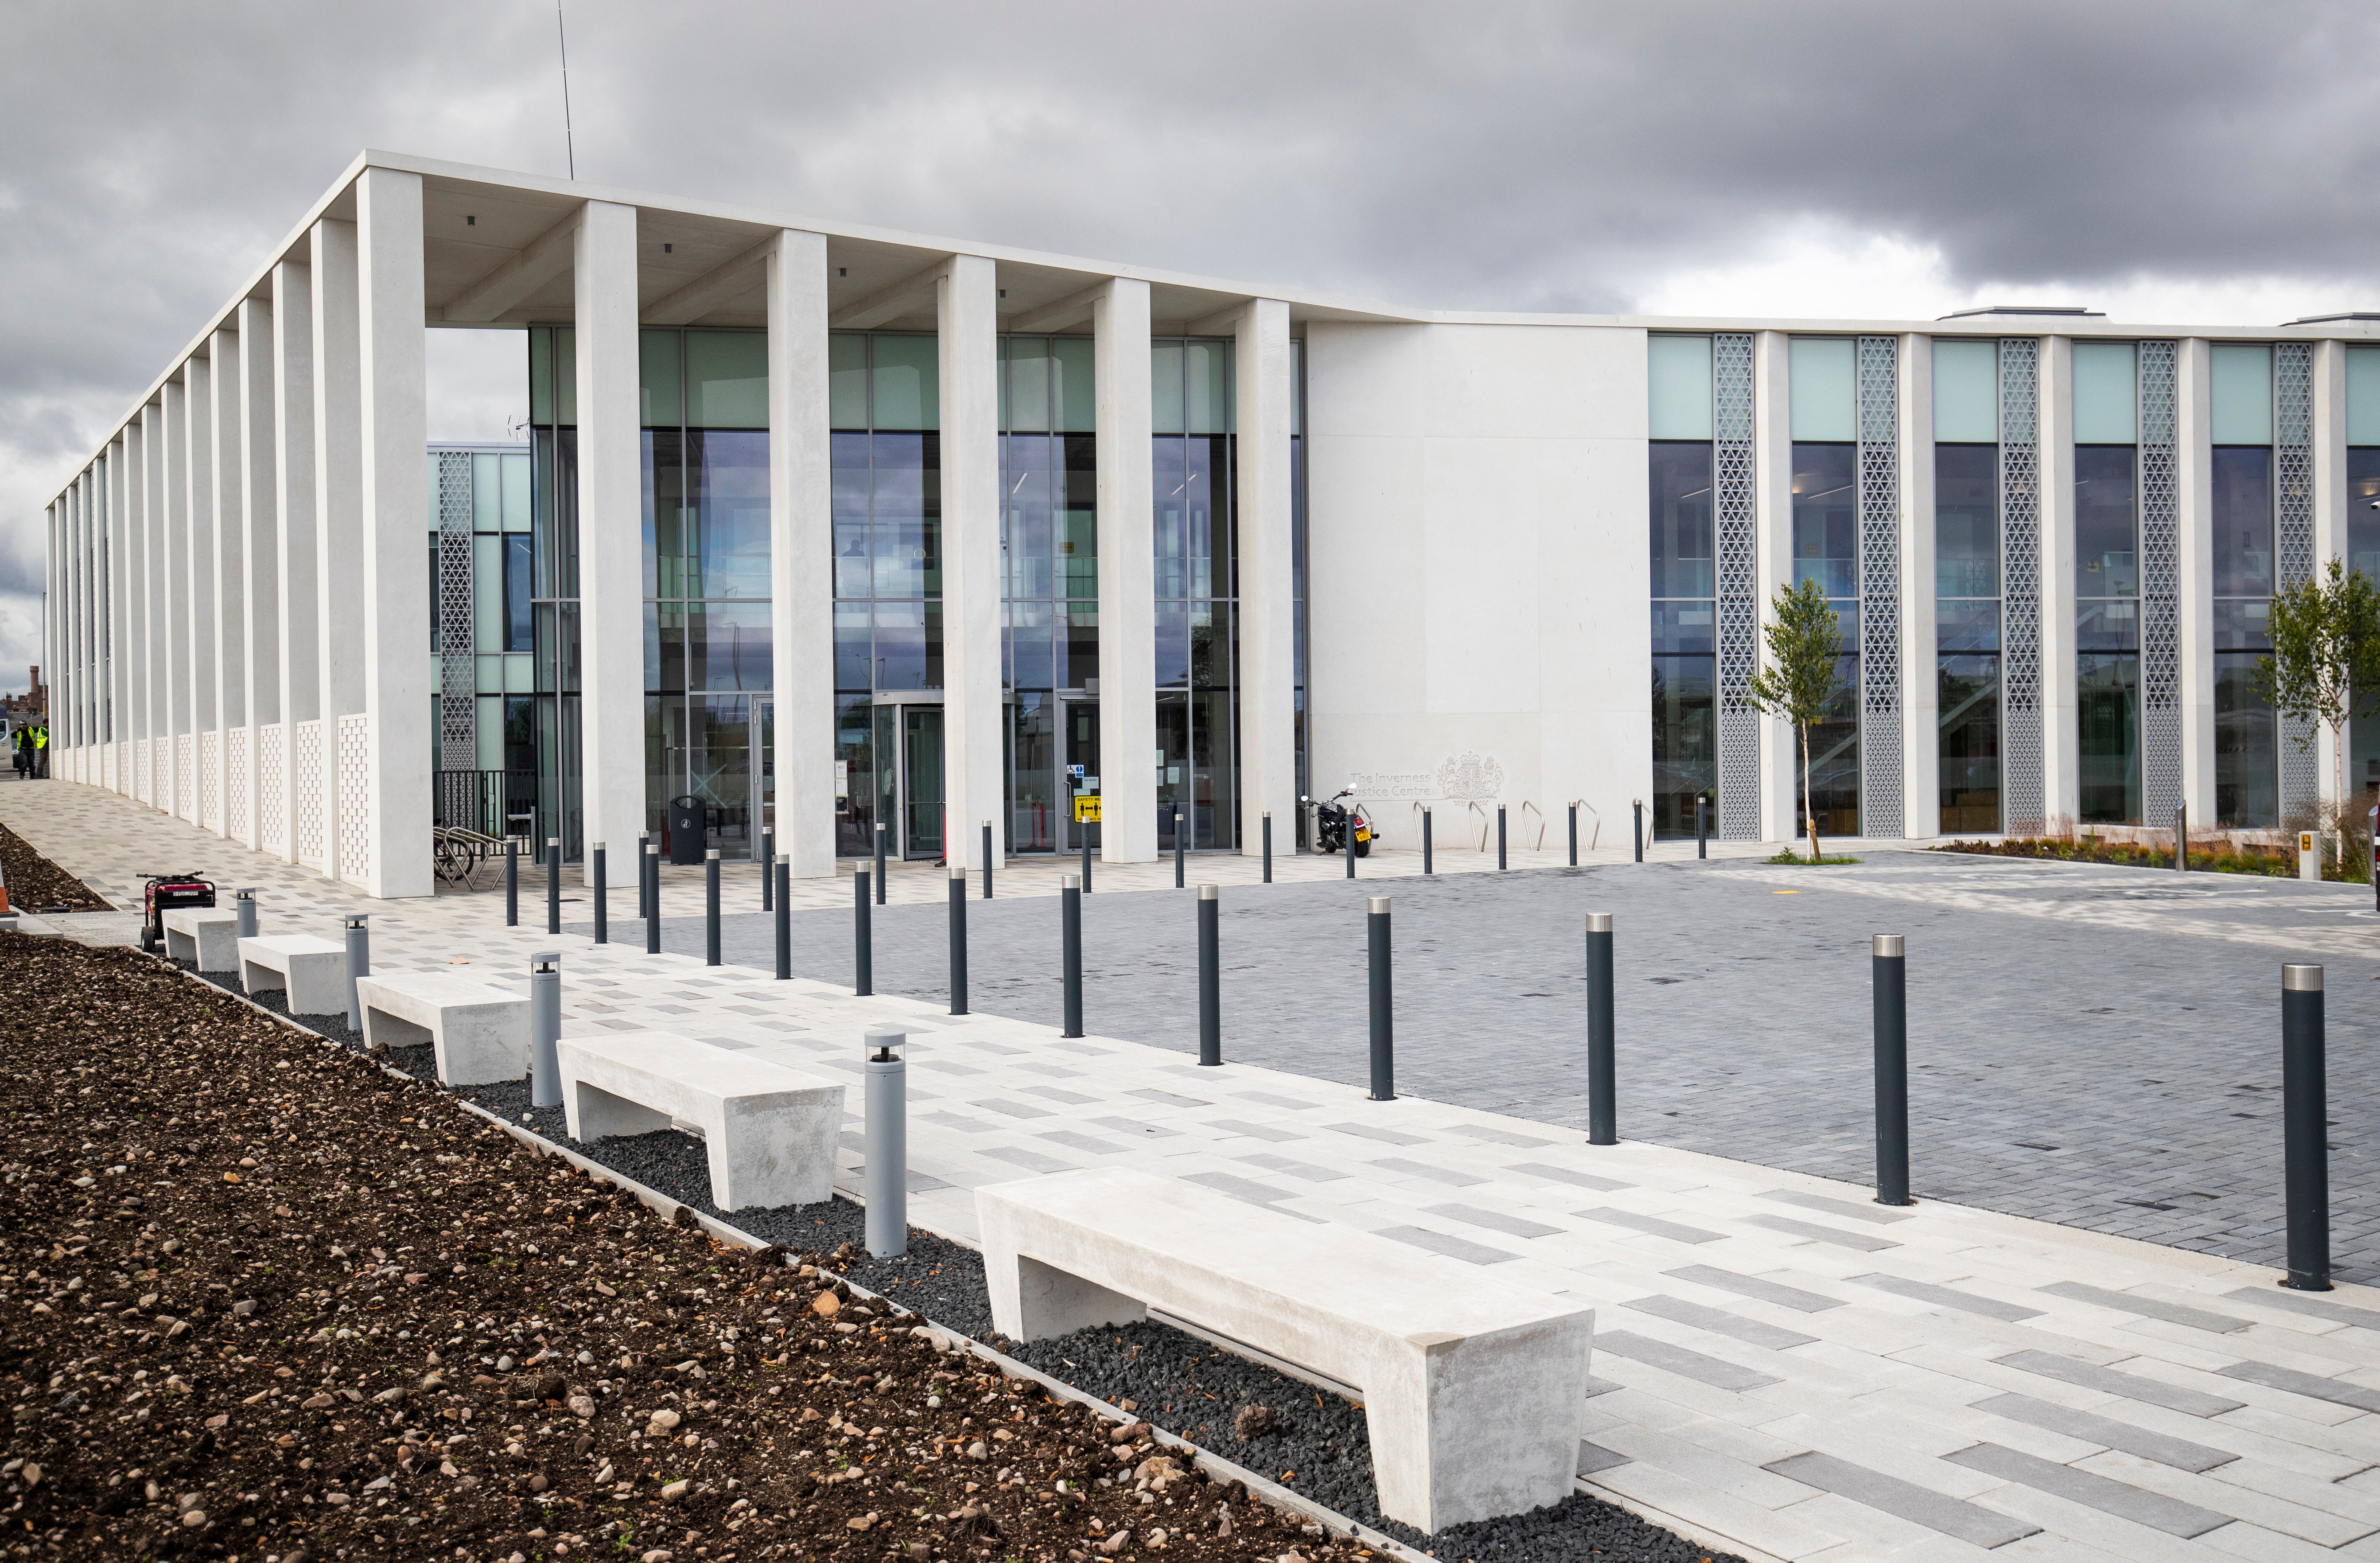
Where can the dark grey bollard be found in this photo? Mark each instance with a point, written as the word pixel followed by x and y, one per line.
pixel 710 907
pixel 1640 830
pixel 1429 853
pixel 243 906
pixel 958 940
pixel 652 883
pixel 768 871
pixel 1070 955
pixel 781 872
pixel 1180 847
pixel 863 938
pixel 1574 835
pixel 644 907
pixel 1891 1071
pixel 1500 864
pixel 2182 838
pixel 2305 1129
pixel 879 863
pixel 1268 846
pixel 512 882
pixel 358 926
pixel 553 885
pixel 1347 842
pixel 1702 826
pixel 987 859
pixel 602 900
pixel 545 1030
pixel 1210 981
pixel 1376 938
pixel 1085 828
pixel 1602 1088
pixel 887 1142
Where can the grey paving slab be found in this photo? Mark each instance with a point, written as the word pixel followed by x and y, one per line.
pixel 1171 1099
pixel 1031 1161
pixel 1239 1188
pixel 1950 1297
pixel 2092 1428
pixel 1435 1174
pixel 1676 1232
pixel 1593 1458
pixel 1495 1220
pixel 1289 1169
pixel 1134 1127
pixel 1719 1320
pixel 1903 1500
pixel 1274 1099
pixel 1821 1234
pixel 1570 1176
pixel 1882 1216
pixel 1765 1291
pixel 2115 1380
pixel 2155 1511
pixel 1375 1131
pixel 1447 1244
pixel 2313 1307
pixel 1687 1363
pixel 2146 1307
pixel 1495 1135
pixel 2313 1387
pixel 1254 1130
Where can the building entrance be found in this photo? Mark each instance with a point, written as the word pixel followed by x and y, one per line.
pixel 716 748
pixel 907 741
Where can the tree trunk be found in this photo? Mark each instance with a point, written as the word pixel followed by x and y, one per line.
pixel 1809 800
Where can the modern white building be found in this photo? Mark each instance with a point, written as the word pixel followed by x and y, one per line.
pixel 828 526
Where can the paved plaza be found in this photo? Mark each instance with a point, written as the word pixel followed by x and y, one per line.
pixel 1782 1367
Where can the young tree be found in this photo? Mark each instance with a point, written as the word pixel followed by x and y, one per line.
pixel 1805 639
pixel 2326 661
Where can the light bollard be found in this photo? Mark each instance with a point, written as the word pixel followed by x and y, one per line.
pixel 887 1142
pixel 879 863
pixel 644 906
pixel 1210 979
pixel 1376 940
pixel 2181 838
pixel 1180 847
pixel 781 872
pixel 545 1030
pixel 862 939
pixel 652 883
pixel 1702 825
pixel 1268 846
pixel 1070 955
pixel 603 899
pixel 711 906
pixel 1347 841
pixel 768 871
pixel 243 905
pixel 958 940
pixel 1891 975
pixel 553 885
pixel 358 926
pixel 1640 829
pixel 1085 828
pixel 512 882
pixel 1602 1087
pixel 987 859
pixel 2304 1129
pixel 2309 856
pixel 1429 852
pixel 1574 835
pixel 1500 838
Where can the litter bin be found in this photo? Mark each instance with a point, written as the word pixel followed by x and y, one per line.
pixel 685 829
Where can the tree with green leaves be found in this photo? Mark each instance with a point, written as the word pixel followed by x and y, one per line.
pixel 1805 642
pixel 2326 661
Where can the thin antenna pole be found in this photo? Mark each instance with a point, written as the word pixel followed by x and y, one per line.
pixel 569 144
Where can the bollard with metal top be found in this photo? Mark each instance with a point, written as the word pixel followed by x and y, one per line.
pixel 1702 825
pixel 1210 981
pixel 1376 938
pixel 958 940
pixel 862 939
pixel 879 863
pixel 1892 1070
pixel 1602 1088
pixel 652 880
pixel 987 859
pixel 1268 846
pixel 710 907
pixel 545 1030
pixel 781 872
pixel 358 926
pixel 1640 829
pixel 644 840
pixel 1085 828
pixel 2181 838
pixel 553 885
pixel 2305 1130
pixel 1347 841
pixel 603 899
pixel 244 904
pixel 1179 845
pixel 1428 855
pixel 887 1143
pixel 1500 863
pixel 512 882
pixel 768 871
pixel 1574 835
pixel 1070 955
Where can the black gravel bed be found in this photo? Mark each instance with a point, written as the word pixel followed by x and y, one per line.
pixel 1317 1444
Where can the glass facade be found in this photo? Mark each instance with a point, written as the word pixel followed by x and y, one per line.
pixel 1050 553
pixel 2247 759
pixel 1967 634
pixel 2107 632
pixel 1826 549
pixel 1198 593
pixel 553 590
pixel 502 620
pixel 2363 554
pixel 1685 719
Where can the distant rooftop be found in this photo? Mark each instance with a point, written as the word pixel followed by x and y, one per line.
pixel 2326 320
pixel 2026 310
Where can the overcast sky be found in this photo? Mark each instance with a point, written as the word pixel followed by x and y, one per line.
pixel 2199 163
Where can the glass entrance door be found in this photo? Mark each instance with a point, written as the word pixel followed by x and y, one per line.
pixel 708 751
pixel 921 781
pixel 1080 719
pixel 764 769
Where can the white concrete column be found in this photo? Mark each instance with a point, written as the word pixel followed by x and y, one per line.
pixel 395 480
pixel 801 557
pixel 1772 491
pixel 123 492
pixel 197 674
pixel 2062 785
pixel 1920 690
pixel 966 301
pixel 297 567
pixel 1261 526
pixel 230 692
pixel 610 528
pixel 2195 576
pixel 172 662
pixel 1128 580
pixel 2330 502
pixel 260 565
pixel 156 631
pixel 78 623
pixel 338 521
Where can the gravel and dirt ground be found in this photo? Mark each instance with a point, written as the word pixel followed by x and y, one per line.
pixel 266 1302
pixel 37 885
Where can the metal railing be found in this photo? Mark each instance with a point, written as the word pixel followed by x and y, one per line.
pixel 495 803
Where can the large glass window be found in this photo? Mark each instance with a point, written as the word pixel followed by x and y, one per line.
pixel 1050 541
pixel 1967 633
pixel 1685 723
pixel 2108 634
pixel 1197 592
pixel 552 669
pixel 1826 549
pixel 2247 760
pixel 2364 550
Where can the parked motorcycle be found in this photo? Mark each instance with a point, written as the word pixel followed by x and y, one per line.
pixel 1332 822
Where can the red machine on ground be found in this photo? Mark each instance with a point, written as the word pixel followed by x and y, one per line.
pixel 170 892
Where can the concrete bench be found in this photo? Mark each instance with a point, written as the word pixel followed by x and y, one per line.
pixel 480 1034
pixel 312 971
pixel 209 937
pixel 770 1130
pixel 1475 1389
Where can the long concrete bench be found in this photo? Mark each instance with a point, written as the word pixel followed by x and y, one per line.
pixel 313 971
pixel 480 1034
pixel 1473 1388
pixel 203 934
pixel 770 1130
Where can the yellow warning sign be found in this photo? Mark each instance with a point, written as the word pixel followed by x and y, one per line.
pixel 1086 810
